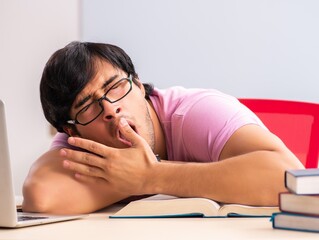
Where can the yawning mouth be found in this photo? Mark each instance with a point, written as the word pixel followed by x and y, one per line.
pixel 123 139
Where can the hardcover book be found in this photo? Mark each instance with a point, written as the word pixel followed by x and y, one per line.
pixel 302 204
pixel 165 206
pixel 302 181
pixel 299 222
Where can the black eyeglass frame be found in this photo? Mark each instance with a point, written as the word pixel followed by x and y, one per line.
pixel 75 121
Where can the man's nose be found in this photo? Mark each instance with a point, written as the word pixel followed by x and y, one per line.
pixel 110 110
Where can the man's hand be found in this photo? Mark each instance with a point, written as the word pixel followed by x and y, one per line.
pixel 126 170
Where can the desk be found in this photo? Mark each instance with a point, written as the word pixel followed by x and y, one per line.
pixel 99 226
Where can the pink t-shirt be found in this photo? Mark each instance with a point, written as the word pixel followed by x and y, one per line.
pixel 196 122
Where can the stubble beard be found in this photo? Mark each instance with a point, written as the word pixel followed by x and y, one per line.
pixel 149 129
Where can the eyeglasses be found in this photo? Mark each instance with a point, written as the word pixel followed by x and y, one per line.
pixel 115 93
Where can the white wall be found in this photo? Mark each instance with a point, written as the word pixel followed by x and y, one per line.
pixel 248 48
pixel 30 31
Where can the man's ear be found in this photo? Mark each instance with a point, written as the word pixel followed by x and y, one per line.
pixel 140 86
pixel 71 131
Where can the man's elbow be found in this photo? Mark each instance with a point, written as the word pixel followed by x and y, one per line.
pixel 60 197
pixel 40 198
pixel 275 179
pixel 34 198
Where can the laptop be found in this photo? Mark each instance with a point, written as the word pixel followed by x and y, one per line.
pixel 9 216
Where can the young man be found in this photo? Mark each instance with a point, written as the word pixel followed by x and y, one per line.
pixel 209 145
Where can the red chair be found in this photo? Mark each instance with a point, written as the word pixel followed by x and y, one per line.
pixel 296 123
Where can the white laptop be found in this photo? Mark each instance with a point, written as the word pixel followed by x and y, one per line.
pixel 9 216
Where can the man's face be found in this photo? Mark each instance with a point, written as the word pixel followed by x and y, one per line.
pixel 133 107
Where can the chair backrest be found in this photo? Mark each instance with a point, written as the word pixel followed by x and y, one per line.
pixel 295 123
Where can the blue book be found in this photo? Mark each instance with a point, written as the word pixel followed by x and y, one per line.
pixel 302 181
pixel 296 222
pixel 165 206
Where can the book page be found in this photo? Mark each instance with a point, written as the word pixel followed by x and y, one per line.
pixel 170 206
pixel 245 210
pixel 164 205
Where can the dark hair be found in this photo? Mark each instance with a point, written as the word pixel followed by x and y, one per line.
pixel 69 70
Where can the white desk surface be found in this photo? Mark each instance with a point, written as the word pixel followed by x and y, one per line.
pixel 99 226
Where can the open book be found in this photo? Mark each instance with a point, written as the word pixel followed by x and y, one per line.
pixel 165 206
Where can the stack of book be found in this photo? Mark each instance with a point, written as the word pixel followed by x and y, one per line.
pixel 300 205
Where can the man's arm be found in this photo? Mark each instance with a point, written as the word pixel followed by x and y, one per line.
pixel 51 188
pixel 250 171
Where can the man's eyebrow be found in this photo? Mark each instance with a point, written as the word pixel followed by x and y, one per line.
pixel 107 82
pixel 84 100
pixel 87 98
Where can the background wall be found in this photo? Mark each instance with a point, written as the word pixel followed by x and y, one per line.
pixel 248 48
pixel 30 31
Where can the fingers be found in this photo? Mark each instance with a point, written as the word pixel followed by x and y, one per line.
pixel 101 149
pixel 89 179
pixel 83 163
pixel 128 132
pixel 91 146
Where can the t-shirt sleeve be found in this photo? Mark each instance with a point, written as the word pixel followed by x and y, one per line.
pixel 209 124
pixel 60 140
